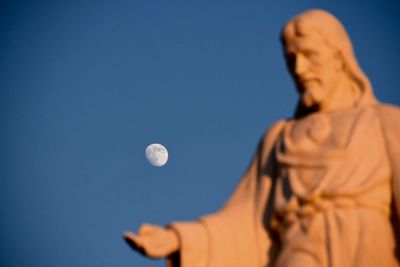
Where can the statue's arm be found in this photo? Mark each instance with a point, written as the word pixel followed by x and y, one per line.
pixel 235 235
pixel 390 120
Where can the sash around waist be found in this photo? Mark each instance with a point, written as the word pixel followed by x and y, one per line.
pixel 297 211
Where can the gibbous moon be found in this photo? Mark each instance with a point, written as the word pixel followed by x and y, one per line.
pixel 157 155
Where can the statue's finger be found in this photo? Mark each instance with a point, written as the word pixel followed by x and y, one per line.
pixel 147 228
pixel 142 245
pixel 133 240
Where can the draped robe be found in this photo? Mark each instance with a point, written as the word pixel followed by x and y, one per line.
pixel 323 190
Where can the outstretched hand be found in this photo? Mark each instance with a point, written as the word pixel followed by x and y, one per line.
pixel 153 241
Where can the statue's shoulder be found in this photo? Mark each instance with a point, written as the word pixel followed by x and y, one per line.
pixel 388 108
pixel 275 129
pixel 272 132
pixel 389 116
pixel 269 139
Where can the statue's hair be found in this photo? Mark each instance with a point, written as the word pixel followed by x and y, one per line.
pixel 333 33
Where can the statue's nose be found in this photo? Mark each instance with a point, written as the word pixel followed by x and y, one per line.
pixel 300 65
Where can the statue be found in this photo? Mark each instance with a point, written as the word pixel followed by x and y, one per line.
pixel 323 188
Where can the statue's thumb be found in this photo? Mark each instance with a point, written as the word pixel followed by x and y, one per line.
pixel 133 241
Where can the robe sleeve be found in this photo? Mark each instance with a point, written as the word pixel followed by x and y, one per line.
pixel 390 120
pixel 236 235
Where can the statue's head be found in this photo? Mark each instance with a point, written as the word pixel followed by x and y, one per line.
pixel 319 55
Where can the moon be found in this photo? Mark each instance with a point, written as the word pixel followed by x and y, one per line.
pixel 157 155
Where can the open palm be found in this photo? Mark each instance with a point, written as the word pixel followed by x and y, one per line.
pixel 153 241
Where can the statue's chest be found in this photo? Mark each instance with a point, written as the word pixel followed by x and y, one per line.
pixel 310 151
pixel 319 132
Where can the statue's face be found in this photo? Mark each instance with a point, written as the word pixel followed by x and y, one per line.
pixel 314 66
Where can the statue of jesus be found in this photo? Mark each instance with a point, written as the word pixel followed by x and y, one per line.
pixel 323 188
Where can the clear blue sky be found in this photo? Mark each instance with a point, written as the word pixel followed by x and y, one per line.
pixel 85 86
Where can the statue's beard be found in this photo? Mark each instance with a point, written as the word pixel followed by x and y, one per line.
pixel 312 93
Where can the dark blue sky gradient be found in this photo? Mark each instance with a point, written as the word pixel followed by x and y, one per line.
pixel 87 85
